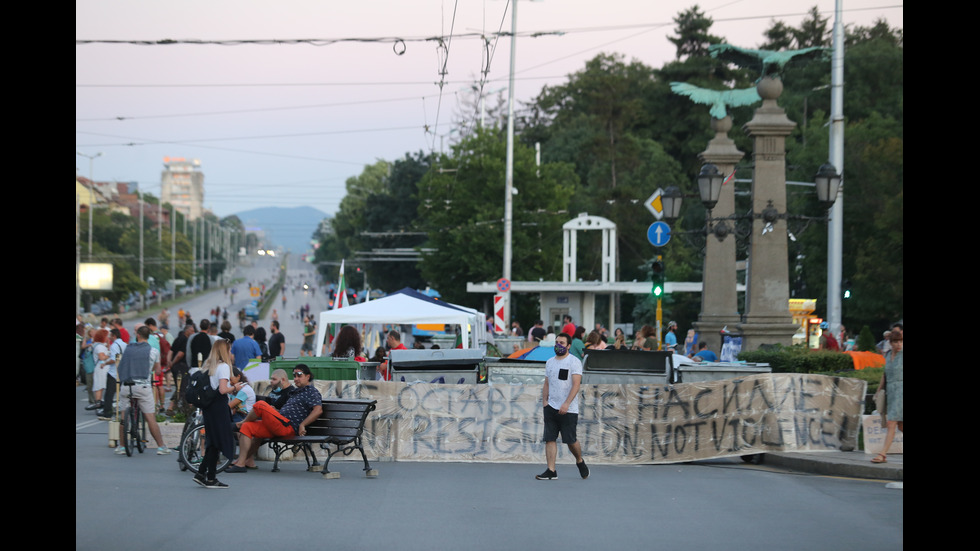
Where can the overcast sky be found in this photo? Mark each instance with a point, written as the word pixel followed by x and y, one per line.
pixel 286 124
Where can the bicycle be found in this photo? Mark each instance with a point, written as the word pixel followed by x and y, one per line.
pixel 191 450
pixel 133 425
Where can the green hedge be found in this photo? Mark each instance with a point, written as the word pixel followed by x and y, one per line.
pixel 797 359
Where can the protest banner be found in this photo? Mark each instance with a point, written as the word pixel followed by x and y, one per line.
pixel 618 424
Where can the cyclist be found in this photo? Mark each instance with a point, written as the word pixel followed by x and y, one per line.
pixel 139 362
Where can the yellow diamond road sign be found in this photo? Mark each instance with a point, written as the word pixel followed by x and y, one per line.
pixel 655 205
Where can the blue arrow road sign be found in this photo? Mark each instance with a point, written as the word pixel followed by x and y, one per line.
pixel 658 234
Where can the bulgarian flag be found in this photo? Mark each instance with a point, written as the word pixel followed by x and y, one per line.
pixel 341 300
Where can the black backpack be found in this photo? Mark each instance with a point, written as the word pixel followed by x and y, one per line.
pixel 199 391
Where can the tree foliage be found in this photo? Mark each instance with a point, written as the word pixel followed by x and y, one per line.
pixel 613 133
pixel 462 207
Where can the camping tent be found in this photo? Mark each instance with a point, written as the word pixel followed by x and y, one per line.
pixel 404 307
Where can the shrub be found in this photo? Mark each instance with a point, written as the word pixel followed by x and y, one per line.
pixel 798 359
pixel 865 341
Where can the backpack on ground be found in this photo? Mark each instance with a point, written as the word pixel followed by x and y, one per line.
pixel 199 391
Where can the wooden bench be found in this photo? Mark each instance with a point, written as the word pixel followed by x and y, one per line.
pixel 341 423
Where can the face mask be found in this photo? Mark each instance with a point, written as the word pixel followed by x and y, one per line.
pixel 560 349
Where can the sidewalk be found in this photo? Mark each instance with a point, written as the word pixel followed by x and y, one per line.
pixel 856 464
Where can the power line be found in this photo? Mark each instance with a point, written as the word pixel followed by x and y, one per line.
pixel 400 41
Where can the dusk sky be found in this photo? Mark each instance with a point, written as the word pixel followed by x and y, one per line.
pixel 286 124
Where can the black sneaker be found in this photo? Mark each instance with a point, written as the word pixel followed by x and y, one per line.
pixel 199 479
pixel 96 405
pixel 547 475
pixel 583 469
pixel 215 484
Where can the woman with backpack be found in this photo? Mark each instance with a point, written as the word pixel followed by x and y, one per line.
pixel 217 416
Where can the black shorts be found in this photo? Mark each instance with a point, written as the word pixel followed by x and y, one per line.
pixel 555 423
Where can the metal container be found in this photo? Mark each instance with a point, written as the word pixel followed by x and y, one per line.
pixel 713 371
pixel 611 366
pixel 507 371
pixel 451 366
pixel 368 371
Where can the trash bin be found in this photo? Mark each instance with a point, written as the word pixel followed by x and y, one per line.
pixel 458 365
pixel 714 371
pixel 323 368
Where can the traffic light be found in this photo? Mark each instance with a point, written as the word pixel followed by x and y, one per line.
pixel 846 284
pixel 659 277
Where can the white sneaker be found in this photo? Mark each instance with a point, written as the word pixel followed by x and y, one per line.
pixel 120 450
pixel 163 451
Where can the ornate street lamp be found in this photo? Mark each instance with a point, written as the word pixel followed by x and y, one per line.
pixel 710 181
pixel 672 198
pixel 828 183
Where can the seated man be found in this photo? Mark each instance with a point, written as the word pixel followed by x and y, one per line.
pixel 139 362
pixel 264 421
pixel 704 354
pixel 281 389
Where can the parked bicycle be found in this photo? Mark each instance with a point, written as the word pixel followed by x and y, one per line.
pixel 133 426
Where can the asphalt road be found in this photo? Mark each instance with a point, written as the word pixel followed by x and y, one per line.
pixel 146 502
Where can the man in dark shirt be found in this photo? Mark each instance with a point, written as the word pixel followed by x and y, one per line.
pixel 178 365
pixel 264 421
pixel 277 342
pixel 538 332
pixel 200 345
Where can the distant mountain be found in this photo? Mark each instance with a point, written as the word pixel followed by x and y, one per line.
pixel 290 228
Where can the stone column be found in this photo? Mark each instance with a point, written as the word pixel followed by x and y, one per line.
pixel 767 319
pixel 719 299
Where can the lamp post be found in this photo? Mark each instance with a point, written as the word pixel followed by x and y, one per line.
pixel 710 182
pixel 91 195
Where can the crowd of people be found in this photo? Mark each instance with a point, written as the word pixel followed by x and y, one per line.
pixel 599 339
pixel 152 362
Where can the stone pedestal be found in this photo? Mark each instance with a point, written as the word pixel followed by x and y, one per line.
pixel 719 298
pixel 767 319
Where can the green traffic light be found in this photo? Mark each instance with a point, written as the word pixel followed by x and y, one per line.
pixel 658 274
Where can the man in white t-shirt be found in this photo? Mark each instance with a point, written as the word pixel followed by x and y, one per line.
pixel 562 381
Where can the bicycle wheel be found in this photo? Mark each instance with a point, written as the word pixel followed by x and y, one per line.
pixel 192 450
pixel 139 430
pixel 194 418
pixel 180 460
pixel 127 436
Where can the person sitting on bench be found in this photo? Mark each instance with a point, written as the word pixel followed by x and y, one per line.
pixel 264 421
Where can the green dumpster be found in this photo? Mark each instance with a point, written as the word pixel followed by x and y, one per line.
pixel 323 368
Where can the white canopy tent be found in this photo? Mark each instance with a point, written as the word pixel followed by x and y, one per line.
pixel 402 308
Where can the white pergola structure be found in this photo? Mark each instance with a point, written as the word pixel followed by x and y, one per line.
pixel 570 246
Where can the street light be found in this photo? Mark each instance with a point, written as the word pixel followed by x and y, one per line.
pixel 828 183
pixel 710 181
pixel 671 199
pixel 91 195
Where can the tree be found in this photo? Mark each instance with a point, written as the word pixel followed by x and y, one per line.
pixel 391 214
pixel 779 36
pixel 693 37
pixel 349 221
pixel 812 31
pixel 591 115
pixel 461 208
pixel 377 213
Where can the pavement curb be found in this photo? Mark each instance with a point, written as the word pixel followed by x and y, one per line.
pixel 848 464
